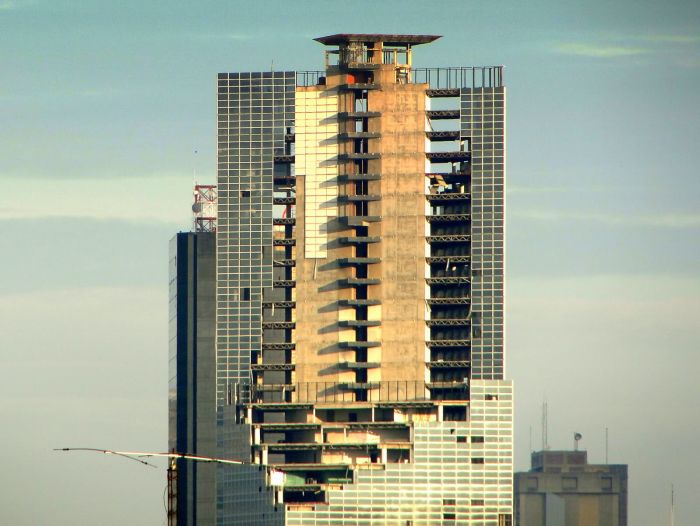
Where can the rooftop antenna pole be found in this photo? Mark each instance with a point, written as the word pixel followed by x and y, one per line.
pixel 606 444
pixel 545 441
pixel 530 438
pixel 542 424
pixel 577 436
pixel 194 169
pixel 672 507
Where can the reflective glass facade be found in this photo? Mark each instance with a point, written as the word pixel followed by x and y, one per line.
pixel 482 119
pixel 192 372
pixel 254 112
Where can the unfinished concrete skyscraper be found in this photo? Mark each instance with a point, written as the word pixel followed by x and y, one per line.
pixel 360 292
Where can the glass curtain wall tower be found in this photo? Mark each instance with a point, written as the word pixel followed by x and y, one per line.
pixel 360 364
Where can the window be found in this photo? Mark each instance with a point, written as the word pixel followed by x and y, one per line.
pixel 477 502
pixel 462 439
pixel 245 294
pixel 477 460
pixel 477 440
pixel 449 502
pixel 449 516
pixel 454 414
pixel 569 483
pixel 606 483
pixel 245 193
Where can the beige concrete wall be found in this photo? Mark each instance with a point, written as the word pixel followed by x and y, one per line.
pixel 317 291
pixel 316 151
pixel 402 248
pixel 402 229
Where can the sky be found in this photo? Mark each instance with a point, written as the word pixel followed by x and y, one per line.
pixel 104 104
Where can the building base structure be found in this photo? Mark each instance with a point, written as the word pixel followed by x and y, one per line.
pixel 389 461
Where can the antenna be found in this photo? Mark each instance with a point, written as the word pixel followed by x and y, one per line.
pixel 606 444
pixel 204 208
pixel 577 437
pixel 530 438
pixel 194 168
pixel 545 441
pixel 673 518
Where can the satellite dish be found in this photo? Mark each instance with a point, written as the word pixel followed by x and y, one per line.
pixel 197 208
pixel 578 436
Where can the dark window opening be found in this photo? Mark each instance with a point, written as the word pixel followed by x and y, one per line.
pixel 477 440
pixel 462 439
pixel 245 295
pixel 477 460
pixel 245 193
pixel 454 414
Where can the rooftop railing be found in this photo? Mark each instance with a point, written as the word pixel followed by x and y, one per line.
pixel 459 77
pixel 436 78
pixel 310 78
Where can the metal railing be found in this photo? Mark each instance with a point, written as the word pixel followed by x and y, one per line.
pixel 461 77
pixel 367 57
pixel 436 78
pixel 309 78
pixel 328 392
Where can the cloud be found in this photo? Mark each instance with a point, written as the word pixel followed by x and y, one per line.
pixel 160 198
pixel 681 48
pixel 600 50
pixel 651 220
pixel 671 39
pixel 12 5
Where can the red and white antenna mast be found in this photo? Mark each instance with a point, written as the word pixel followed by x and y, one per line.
pixel 204 208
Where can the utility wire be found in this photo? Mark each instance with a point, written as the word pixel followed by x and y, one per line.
pixel 130 456
pixel 133 455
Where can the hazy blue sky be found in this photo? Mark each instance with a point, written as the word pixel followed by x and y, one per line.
pixel 102 105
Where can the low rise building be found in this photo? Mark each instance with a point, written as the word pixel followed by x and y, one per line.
pixel 563 489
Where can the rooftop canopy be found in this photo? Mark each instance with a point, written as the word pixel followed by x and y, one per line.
pixel 390 40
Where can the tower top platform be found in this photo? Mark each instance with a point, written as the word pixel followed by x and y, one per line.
pixel 389 40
